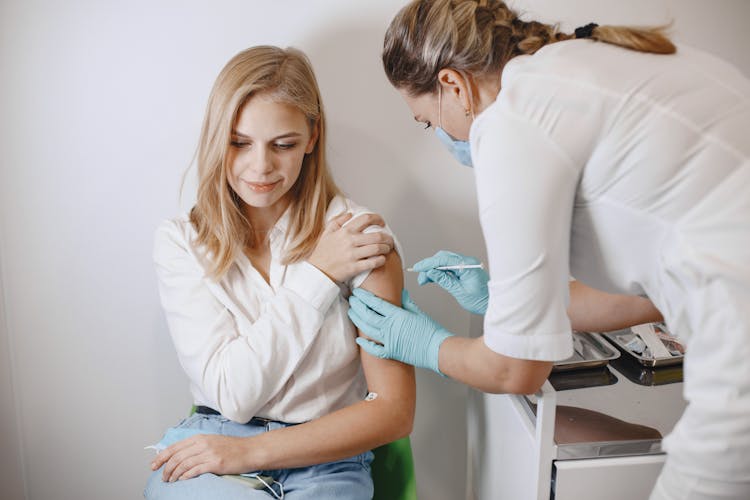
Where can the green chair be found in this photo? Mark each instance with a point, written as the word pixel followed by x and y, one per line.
pixel 392 471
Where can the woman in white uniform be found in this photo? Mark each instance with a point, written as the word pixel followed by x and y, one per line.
pixel 611 155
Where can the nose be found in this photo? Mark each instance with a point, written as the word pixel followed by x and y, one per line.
pixel 261 161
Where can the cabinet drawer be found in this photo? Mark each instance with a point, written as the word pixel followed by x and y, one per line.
pixel 619 478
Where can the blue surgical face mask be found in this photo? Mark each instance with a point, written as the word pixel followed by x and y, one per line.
pixel 461 150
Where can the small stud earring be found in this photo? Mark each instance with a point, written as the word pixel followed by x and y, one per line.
pixel 467 112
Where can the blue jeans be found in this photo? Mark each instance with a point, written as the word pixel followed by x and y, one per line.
pixel 348 479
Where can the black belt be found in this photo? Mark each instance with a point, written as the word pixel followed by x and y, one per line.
pixel 205 410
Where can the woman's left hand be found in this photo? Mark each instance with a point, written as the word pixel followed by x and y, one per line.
pixel 204 453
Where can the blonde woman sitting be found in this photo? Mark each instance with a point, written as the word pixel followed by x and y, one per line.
pixel 254 282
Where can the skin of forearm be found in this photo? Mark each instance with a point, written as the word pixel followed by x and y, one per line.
pixel 471 362
pixel 344 433
pixel 592 310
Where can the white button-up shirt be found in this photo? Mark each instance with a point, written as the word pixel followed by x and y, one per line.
pixel 283 349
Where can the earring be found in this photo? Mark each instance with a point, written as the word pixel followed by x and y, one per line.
pixel 467 112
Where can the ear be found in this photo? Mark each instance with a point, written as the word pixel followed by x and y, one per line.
pixel 456 85
pixel 313 137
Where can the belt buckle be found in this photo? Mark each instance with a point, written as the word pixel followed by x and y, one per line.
pixel 261 421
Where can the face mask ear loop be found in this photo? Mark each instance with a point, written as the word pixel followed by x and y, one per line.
pixel 271 489
pixel 471 95
pixel 440 105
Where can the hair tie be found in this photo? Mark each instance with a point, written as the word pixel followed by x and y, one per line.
pixel 586 31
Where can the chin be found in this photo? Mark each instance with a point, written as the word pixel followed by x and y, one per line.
pixel 261 201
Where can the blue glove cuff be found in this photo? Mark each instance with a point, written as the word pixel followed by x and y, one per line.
pixel 432 353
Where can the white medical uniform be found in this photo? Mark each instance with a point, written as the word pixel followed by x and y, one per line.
pixel 283 350
pixel 631 172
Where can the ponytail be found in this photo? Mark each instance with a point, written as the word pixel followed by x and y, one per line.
pixel 653 40
pixel 479 37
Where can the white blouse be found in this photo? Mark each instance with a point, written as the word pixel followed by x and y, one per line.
pixel 283 350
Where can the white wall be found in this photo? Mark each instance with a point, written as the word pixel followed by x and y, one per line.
pixel 10 460
pixel 101 107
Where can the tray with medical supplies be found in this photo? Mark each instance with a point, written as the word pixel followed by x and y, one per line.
pixel 590 350
pixel 651 344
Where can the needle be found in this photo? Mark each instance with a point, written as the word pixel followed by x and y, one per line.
pixel 459 267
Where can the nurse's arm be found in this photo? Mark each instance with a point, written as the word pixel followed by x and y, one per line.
pixel 592 310
pixel 471 362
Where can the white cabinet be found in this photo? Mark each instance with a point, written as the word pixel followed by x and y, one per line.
pixel 513 454
pixel 619 478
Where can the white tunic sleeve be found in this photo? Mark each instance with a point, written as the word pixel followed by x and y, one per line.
pixel 238 364
pixel 526 188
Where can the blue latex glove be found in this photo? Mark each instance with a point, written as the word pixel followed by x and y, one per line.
pixel 406 334
pixel 468 287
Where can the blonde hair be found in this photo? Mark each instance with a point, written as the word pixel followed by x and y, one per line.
pixel 479 37
pixel 284 75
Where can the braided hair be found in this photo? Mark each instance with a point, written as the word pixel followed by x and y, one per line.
pixel 479 37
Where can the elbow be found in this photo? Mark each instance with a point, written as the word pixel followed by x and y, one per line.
pixel 400 415
pixel 405 425
pixel 524 386
pixel 235 413
pixel 518 376
pixel 236 404
pixel 512 386
pixel 402 422
pixel 231 390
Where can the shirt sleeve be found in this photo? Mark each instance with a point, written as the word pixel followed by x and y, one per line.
pixel 526 188
pixel 356 212
pixel 239 364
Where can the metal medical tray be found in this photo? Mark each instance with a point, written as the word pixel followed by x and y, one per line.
pixel 589 350
pixel 620 339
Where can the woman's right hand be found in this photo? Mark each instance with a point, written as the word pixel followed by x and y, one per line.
pixel 343 250
pixel 468 286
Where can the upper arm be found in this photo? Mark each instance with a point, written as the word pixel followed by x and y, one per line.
pixel 391 380
pixel 592 310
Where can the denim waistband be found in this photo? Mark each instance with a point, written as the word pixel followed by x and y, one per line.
pixel 205 410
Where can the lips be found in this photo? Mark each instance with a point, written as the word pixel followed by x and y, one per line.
pixel 262 187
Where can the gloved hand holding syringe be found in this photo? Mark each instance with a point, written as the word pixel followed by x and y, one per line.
pixel 408 334
pixel 462 276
